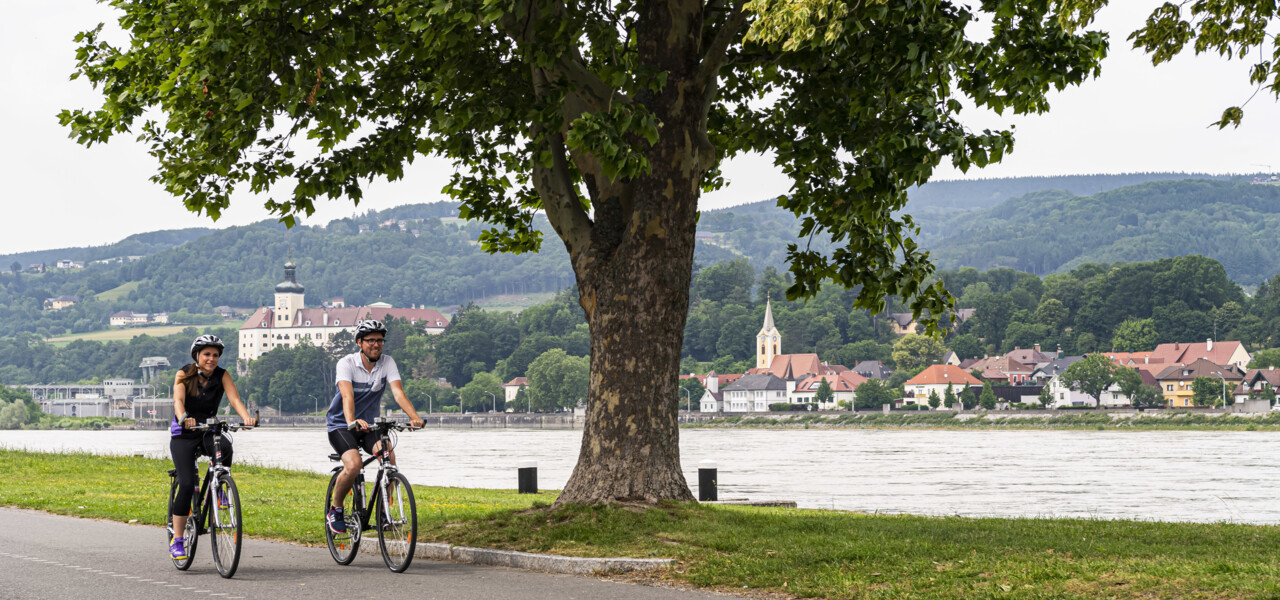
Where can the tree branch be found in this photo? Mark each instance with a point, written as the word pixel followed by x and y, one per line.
pixel 556 188
pixel 713 57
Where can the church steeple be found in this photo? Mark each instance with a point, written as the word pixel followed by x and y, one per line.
pixel 768 341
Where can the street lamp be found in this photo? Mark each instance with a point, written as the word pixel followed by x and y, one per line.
pixel 315 403
pixel 493 406
pixel 429 399
pixel 687 400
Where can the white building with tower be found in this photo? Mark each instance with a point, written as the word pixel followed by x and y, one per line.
pixel 288 321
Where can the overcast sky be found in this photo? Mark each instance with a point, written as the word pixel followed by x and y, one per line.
pixel 58 194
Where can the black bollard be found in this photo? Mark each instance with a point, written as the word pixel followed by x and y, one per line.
pixel 528 477
pixel 707 481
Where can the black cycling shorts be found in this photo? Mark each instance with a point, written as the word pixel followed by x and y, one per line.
pixel 345 439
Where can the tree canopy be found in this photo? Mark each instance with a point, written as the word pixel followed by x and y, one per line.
pixel 610 117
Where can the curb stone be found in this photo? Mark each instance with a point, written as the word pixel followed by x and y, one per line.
pixel 530 561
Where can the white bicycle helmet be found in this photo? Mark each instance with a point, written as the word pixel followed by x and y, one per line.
pixel 364 328
pixel 206 341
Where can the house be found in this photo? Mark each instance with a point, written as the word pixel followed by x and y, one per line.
pixel 1000 368
pixel 1031 356
pixel 1112 396
pixel 950 358
pixel 69 264
pixel 713 396
pixel 289 322
pixel 844 387
pixel 224 311
pixel 1050 375
pixel 873 369
pixel 60 302
pixel 754 393
pixel 511 388
pixel 126 318
pixel 936 379
pixel 1218 353
pixel 902 323
pixel 1258 383
pixel 334 303
pixel 1175 381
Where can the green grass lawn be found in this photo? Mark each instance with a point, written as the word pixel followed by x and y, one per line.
pixel 119 334
pixel 788 552
pixel 118 292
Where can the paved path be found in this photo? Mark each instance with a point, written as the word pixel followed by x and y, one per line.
pixel 55 557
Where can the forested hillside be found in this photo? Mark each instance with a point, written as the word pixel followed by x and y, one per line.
pixel 986 193
pixel 426 255
pixel 1049 232
pixel 139 244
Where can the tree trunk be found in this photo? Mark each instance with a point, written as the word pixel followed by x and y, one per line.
pixel 636 308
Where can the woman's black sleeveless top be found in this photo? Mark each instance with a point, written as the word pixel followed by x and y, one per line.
pixel 204 404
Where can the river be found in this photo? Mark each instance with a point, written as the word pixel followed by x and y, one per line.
pixel 1229 476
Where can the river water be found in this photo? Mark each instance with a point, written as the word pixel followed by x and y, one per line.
pixel 1147 475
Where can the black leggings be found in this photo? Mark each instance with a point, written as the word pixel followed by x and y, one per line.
pixel 184 451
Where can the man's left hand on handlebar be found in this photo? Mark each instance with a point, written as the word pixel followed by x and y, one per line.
pixel 416 422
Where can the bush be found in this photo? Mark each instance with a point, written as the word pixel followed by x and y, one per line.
pixel 912 407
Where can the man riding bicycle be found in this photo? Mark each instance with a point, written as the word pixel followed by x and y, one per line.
pixel 362 377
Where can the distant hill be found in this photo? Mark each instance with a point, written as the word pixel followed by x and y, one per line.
pixel 985 193
pixel 424 255
pixel 141 244
pixel 1044 232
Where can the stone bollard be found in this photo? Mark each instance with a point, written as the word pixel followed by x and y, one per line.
pixel 886 408
pixel 528 477
pixel 707 481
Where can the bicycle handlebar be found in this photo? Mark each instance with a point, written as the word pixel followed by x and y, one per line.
pixel 216 423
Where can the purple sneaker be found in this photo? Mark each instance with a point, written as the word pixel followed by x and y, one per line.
pixel 335 521
pixel 178 549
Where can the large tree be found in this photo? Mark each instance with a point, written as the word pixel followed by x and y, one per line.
pixel 613 118
pixel 1092 375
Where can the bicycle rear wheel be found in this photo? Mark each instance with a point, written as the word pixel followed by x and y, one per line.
pixel 224 525
pixel 190 531
pixel 343 546
pixel 397 523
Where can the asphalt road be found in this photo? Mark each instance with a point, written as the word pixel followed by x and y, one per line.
pixel 55 557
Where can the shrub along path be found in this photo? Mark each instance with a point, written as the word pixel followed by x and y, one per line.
pixel 782 552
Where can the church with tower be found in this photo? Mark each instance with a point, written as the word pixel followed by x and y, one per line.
pixel 288 321
pixel 776 378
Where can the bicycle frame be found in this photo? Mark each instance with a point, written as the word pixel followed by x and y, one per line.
pixel 364 511
pixel 203 494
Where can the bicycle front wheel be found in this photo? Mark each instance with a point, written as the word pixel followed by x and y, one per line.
pixel 397 523
pixel 224 524
pixel 343 546
pixel 190 532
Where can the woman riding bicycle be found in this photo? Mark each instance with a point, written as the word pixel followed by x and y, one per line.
pixel 197 392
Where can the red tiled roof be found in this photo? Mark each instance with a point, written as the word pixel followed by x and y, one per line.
pixel 943 374
pixel 260 316
pixel 792 367
pixel 841 382
pixel 1189 353
pixel 517 381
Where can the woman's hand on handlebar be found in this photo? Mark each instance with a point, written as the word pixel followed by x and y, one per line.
pixel 189 423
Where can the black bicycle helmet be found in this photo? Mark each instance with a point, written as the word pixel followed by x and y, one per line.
pixel 206 341
pixel 364 328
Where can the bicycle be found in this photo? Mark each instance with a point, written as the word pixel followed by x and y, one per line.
pixel 217 510
pixel 390 504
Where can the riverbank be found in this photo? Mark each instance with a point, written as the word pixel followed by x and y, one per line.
pixel 784 552
pixel 1172 420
